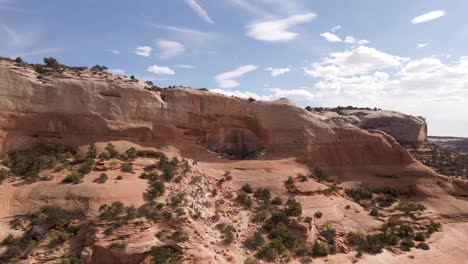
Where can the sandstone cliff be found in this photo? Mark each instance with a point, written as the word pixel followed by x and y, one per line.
pixel 406 129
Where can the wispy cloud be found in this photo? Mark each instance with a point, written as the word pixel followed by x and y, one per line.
pixel 169 49
pixel 144 51
pixel 39 52
pixel 353 40
pixel 277 71
pixel 250 8
pixel 422 45
pixel 335 28
pixel 185 66
pixel 330 37
pixel 428 16
pixel 187 33
pixel 278 30
pixel 161 70
pixel 19 39
pixel 227 79
pixel 199 10
pixel 116 52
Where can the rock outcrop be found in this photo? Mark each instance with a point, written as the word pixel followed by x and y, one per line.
pixel 98 106
pixel 406 129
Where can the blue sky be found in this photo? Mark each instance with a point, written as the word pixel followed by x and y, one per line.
pixel 401 55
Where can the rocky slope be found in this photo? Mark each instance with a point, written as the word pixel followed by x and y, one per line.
pixel 323 157
pixel 406 129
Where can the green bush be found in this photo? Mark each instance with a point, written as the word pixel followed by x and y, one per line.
pixel 52 63
pixel 320 249
pixel 263 196
pixel 228 234
pixel 3 175
pixel 277 201
pixel 246 188
pixel 112 212
pixel 359 194
pixel 308 220
pixel 245 199
pixel 156 189
pixel 178 199
pixel 73 177
pixel 254 241
pixel 127 167
pixel 131 153
pixel 271 251
pixel 420 237
pixel 166 255
pixel 92 152
pixel 112 151
pixel 406 231
pixel 102 178
pixel 119 178
pixel 318 214
pixel 433 227
pixel 423 246
pixel 374 212
pixel 406 244
pixel 294 208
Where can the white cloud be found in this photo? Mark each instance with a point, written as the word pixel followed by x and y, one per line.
pixel 278 71
pixel 117 71
pixel 295 94
pixel 330 37
pixel 360 60
pixel 363 42
pixel 428 16
pixel 144 51
pixel 19 39
pixel 185 66
pixel 335 28
pixel 227 79
pixel 278 30
pixel 160 70
pixel 242 94
pixel 169 49
pixel 422 45
pixel 116 52
pixel 193 33
pixel 350 40
pixel 199 10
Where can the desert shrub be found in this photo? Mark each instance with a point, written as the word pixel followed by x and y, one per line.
pixel 302 178
pixel 406 231
pixel 251 261
pixel 277 201
pixel 73 177
pixel 112 151
pixel 277 218
pixel 102 178
pixel 112 212
pixel 272 250
pixel 86 167
pixel 374 212
pixel 151 211
pixel 423 246
pixel 410 207
pixel 263 197
pixel 320 175
pixel 387 197
pixel 289 181
pixel 104 156
pixel 166 255
pixel 261 215
pixel 131 153
pixel 359 194
pixel 420 237
pixel 119 178
pixel 318 214
pixel 320 249
pixel 3 175
pixel 406 244
pixel 98 68
pixel 245 199
pixel 52 63
pixel 19 60
pixel 178 199
pixel 433 227
pixel 156 189
pixel 254 241
pixel 179 236
pixel 294 208
pixel 288 239
pixel 246 188
pixel 228 234
pixel 308 220
pixel 92 152
pixel 127 167
pixel 58 239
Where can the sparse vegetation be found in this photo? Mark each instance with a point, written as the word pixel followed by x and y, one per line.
pixel 73 177
pixel 102 178
pixel 166 255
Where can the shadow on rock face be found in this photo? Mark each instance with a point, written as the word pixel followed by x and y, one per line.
pixel 235 143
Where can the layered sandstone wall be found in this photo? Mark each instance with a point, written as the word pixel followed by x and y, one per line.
pixel 87 107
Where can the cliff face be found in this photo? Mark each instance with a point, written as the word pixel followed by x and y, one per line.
pixel 97 106
pixel 404 128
